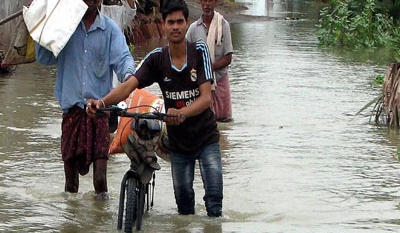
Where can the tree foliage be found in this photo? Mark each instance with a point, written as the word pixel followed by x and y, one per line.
pixel 357 24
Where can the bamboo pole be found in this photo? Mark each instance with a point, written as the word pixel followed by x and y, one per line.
pixel 10 17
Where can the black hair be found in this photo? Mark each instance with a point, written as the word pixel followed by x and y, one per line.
pixel 170 6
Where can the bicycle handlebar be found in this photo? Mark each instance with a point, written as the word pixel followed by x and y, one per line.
pixel 123 112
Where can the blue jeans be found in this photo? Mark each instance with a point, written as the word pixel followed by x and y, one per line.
pixel 182 166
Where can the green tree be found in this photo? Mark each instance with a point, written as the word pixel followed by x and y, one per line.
pixel 356 24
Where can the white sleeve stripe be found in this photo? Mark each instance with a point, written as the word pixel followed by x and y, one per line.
pixel 156 50
pixel 206 59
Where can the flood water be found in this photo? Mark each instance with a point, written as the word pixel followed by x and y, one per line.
pixel 295 159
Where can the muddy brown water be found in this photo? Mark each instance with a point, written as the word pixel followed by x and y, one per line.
pixel 295 159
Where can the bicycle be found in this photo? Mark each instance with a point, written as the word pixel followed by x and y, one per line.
pixel 140 148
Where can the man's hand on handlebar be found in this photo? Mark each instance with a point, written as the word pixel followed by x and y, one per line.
pixel 173 116
pixel 174 120
pixel 92 105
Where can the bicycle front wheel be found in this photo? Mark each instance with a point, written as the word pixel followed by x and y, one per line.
pixel 131 204
pixel 140 209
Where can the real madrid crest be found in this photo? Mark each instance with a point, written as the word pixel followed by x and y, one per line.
pixel 193 75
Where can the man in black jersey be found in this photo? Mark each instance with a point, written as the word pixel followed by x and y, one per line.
pixel 184 73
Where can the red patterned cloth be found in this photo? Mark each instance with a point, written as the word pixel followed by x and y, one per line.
pixel 221 100
pixel 84 139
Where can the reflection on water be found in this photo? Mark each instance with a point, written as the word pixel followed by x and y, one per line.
pixel 295 159
pixel 282 9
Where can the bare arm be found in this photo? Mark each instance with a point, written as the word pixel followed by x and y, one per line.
pixel 223 62
pixel 131 4
pixel 121 92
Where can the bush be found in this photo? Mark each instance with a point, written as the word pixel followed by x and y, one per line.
pixel 356 24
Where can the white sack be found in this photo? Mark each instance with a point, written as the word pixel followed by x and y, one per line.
pixel 122 15
pixel 51 23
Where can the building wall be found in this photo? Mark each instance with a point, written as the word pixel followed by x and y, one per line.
pixel 8 7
